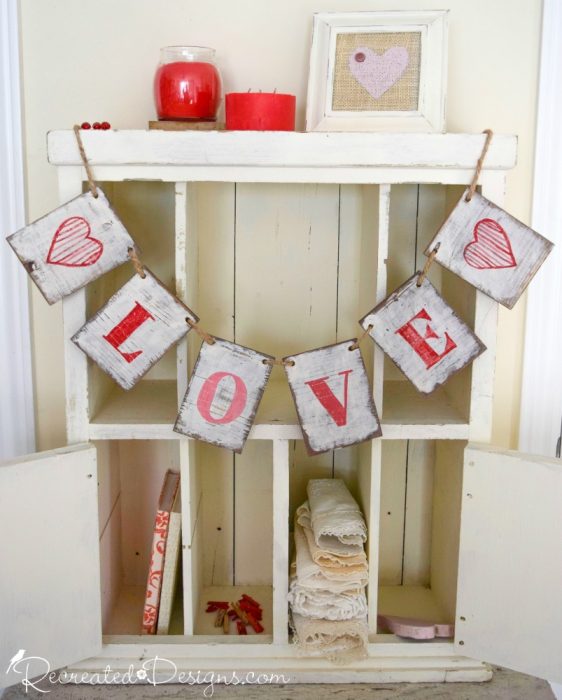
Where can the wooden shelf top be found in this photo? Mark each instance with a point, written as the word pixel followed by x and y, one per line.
pixel 149 411
pixel 282 149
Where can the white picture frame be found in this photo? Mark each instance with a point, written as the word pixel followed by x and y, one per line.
pixel 428 115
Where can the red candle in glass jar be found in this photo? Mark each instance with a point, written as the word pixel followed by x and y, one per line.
pixel 187 84
pixel 260 111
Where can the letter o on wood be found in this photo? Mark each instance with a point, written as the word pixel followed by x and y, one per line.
pixel 207 396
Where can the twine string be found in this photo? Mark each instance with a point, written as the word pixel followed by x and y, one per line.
pixel 366 331
pixel 91 183
pixel 137 264
pixel 428 264
pixel 472 189
pixel 280 362
pixel 200 332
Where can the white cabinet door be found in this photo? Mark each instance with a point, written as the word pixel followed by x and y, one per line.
pixel 509 605
pixel 49 559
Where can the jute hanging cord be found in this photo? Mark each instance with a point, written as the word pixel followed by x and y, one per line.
pixel 355 345
pixel 137 264
pixel 281 363
pixel 208 338
pixel 428 264
pixel 200 332
pixel 91 182
pixel 472 189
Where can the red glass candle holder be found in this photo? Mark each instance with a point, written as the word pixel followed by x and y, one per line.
pixel 187 84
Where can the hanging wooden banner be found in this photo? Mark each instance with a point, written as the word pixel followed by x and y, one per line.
pixel 490 249
pixel 73 245
pixel 422 334
pixel 224 393
pixel 134 329
pixel 332 396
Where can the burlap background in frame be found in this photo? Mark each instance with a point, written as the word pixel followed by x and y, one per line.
pixel 349 95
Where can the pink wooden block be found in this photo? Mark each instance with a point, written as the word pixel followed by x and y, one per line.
pixel 415 629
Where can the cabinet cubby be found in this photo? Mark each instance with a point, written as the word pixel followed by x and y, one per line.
pixel 420 506
pixel 281 242
pixel 130 476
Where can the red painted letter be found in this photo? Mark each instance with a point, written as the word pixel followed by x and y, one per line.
pixel 207 396
pixel 419 344
pixel 326 396
pixel 123 330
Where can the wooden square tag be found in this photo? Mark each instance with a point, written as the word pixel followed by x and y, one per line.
pixel 71 246
pixel 333 398
pixel 223 395
pixel 420 332
pixel 490 249
pixel 134 329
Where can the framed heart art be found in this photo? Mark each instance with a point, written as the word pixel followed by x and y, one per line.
pixel 378 71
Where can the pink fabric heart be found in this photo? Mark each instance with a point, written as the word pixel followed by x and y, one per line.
pixel 375 73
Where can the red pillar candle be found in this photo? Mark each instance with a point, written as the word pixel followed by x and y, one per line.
pixel 260 111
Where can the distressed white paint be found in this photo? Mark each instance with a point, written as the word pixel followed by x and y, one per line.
pixel 164 325
pixel 72 245
pixel 490 249
pixel 343 371
pixel 486 313
pixel 430 115
pixel 74 316
pixel 213 235
pixel 435 662
pixel 398 314
pixel 48 514
pixel 224 149
pixel 224 391
pixel 510 564
pixel 280 541
pixel 211 227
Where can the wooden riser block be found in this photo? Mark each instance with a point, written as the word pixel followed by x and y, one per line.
pixel 186 125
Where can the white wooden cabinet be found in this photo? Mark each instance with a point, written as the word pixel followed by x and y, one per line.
pixel 282 242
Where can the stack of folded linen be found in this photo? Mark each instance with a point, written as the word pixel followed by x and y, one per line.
pixel 329 574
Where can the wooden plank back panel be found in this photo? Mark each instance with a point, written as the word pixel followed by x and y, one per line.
pixel 392 508
pixel 418 513
pixel 253 509
pixel 286 292
pixel 148 211
pixel 447 495
pixel 111 568
pixel 211 221
pixel 401 262
pixel 142 465
pixel 462 298
pixel 109 512
pixel 74 316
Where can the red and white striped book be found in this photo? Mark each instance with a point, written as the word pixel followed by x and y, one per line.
pixel 158 553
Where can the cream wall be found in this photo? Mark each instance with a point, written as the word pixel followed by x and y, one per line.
pixel 95 61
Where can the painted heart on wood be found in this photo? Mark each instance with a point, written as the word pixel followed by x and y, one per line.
pixel 375 73
pixel 491 248
pixel 72 245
